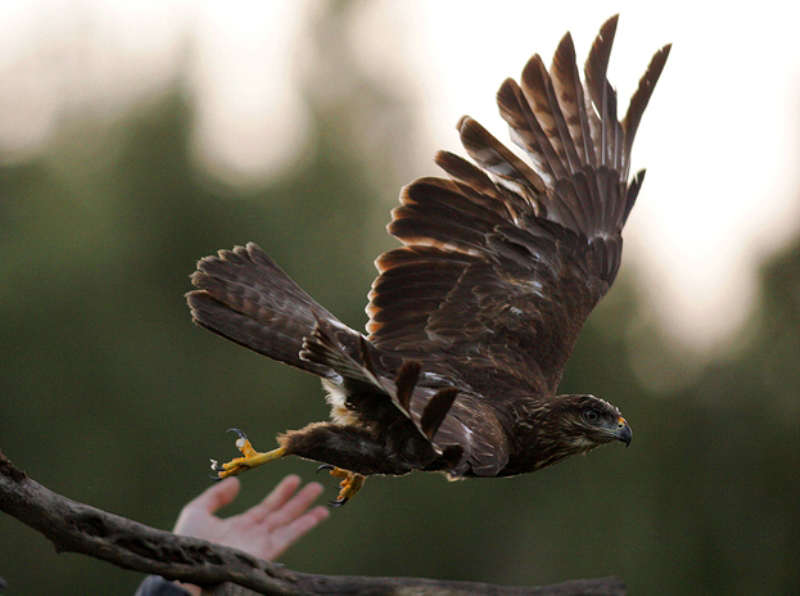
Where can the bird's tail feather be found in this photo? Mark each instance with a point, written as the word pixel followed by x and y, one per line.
pixel 244 296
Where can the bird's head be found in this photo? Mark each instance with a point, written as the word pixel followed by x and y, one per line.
pixel 586 422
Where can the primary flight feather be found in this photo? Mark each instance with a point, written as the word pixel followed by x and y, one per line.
pixel 473 319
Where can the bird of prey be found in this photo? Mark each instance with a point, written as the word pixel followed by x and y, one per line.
pixel 473 318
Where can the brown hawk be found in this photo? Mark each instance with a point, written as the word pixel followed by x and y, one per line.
pixel 473 318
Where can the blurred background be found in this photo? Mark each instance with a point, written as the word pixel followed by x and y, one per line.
pixel 137 137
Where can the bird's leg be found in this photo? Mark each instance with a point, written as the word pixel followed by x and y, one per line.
pixel 351 453
pixel 351 483
pixel 250 458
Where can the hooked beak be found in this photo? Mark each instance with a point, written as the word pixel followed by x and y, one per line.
pixel 623 432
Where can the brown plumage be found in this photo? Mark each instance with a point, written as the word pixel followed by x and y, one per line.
pixel 473 319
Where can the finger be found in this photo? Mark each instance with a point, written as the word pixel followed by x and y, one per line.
pixel 296 506
pixel 284 537
pixel 275 499
pixel 217 495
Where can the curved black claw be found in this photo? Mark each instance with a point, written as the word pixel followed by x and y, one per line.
pixel 217 468
pixel 324 467
pixel 338 502
pixel 238 432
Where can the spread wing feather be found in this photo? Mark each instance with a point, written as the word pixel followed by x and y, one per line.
pixel 503 262
pixel 640 100
pixel 602 94
pixel 569 93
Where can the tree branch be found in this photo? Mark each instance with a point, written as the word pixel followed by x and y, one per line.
pixel 79 528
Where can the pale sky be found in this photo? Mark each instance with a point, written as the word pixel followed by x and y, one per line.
pixel 720 140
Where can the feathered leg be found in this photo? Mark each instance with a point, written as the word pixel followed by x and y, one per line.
pixel 351 483
pixel 349 452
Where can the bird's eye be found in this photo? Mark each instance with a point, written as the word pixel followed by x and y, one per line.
pixel 591 416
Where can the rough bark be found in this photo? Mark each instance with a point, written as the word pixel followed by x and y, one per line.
pixel 76 527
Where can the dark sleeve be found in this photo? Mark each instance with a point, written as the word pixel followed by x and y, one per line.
pixel 155 585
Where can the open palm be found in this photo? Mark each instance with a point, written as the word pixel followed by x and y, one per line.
pixel 265 530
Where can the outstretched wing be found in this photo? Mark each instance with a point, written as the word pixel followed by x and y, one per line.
pixel 503 262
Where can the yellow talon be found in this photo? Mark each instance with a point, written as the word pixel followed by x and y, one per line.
pixel 251 458
pixel 351 483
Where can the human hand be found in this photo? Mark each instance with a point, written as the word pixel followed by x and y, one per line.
pixel 265 530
